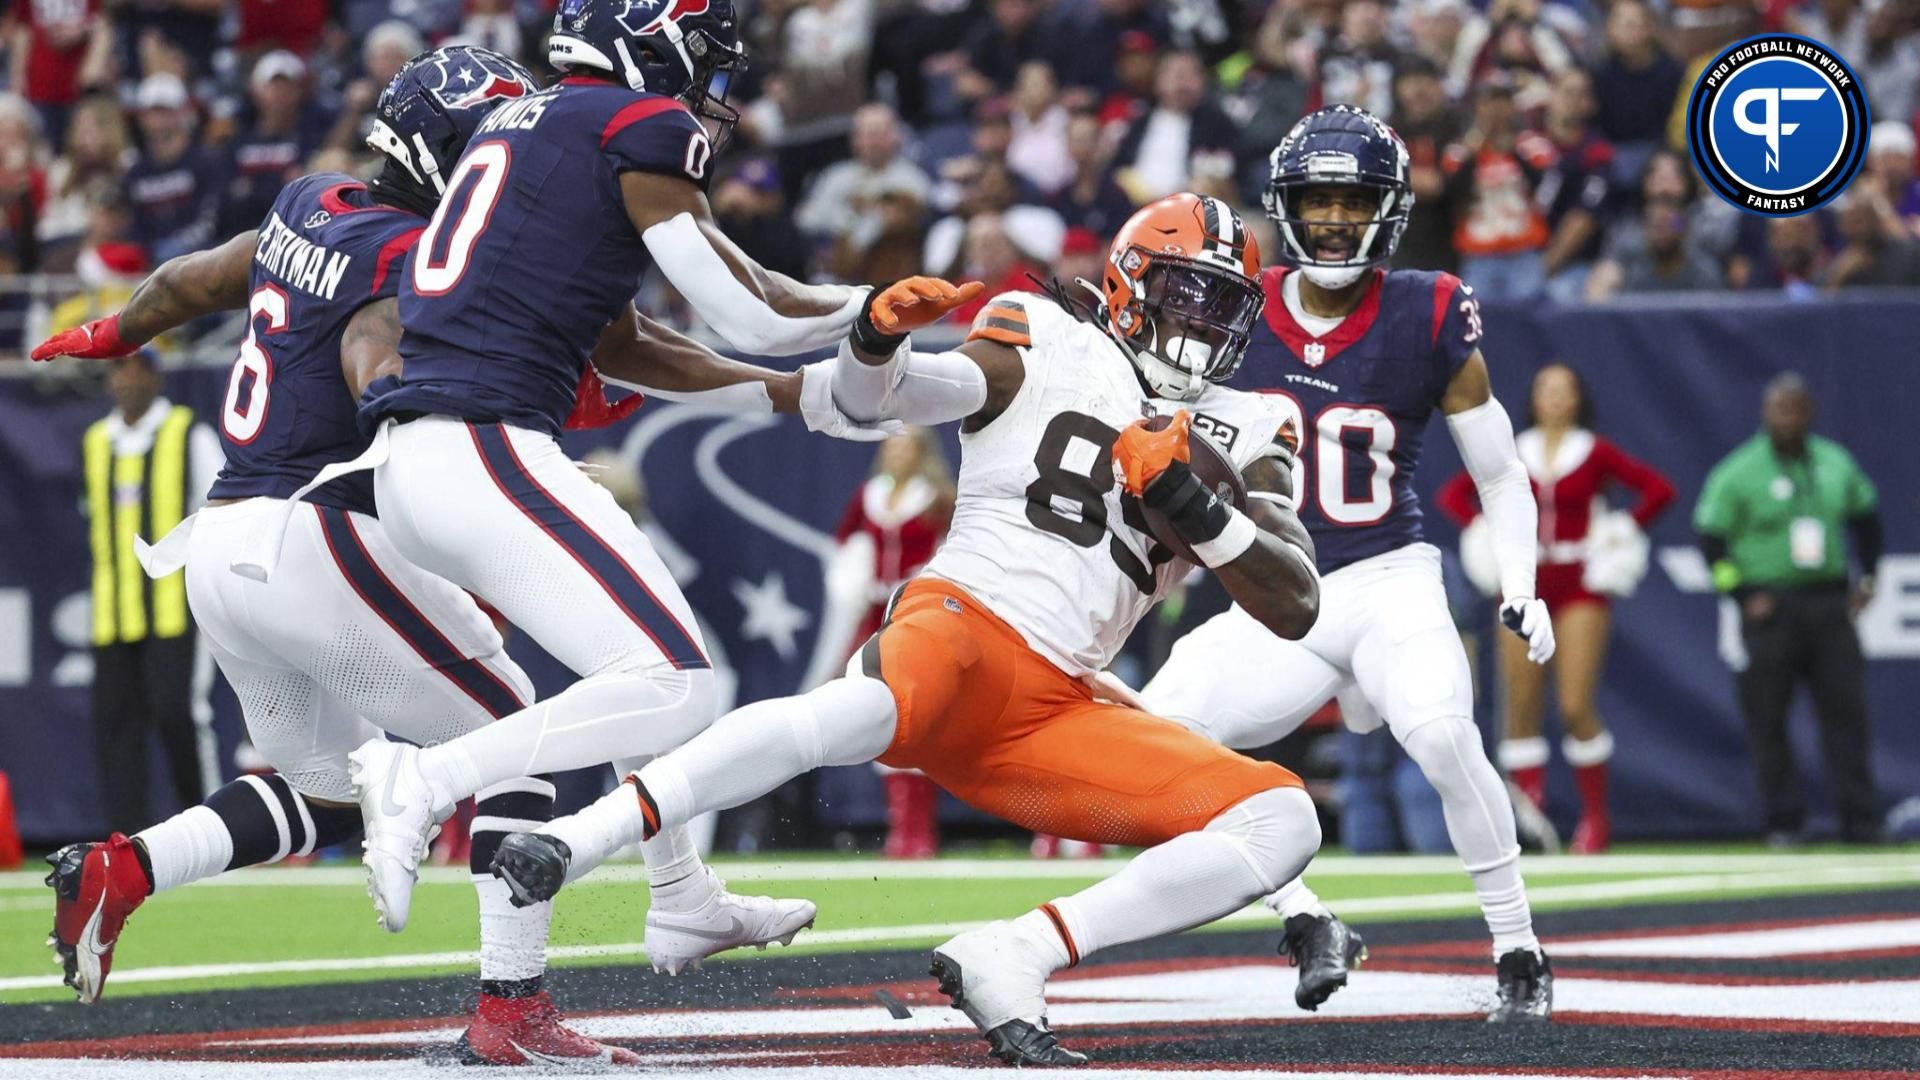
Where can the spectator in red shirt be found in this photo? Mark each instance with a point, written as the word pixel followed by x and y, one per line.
pixel 57 48
pixel 1493 175
pixel 1587 553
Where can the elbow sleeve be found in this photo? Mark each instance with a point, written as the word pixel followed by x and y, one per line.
pixel 918 388
pixel 748 323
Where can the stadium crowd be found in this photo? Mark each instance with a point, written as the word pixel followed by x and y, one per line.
pixel 994 138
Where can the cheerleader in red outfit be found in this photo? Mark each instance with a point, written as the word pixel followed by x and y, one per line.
pixel 1587 555
pixel 887 534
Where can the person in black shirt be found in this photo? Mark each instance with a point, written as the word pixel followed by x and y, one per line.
pixel 1634 85
pixel 274 146
pixel 174 183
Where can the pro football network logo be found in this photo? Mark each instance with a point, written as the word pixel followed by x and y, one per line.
pixel 1778 124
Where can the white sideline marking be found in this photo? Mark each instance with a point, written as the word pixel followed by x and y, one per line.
pixel 1747 944
pixel 868 868
pixel 1423 903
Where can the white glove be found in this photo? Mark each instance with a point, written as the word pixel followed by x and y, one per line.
pixel 1528 618
pixel 822 415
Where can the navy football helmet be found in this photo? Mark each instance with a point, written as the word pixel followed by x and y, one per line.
pixel 686 49
pixel 425 116
pixel 1344 146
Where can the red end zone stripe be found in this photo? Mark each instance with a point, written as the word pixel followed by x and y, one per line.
pixel 634 113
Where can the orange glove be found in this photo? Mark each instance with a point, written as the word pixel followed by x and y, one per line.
pixel 591 409
pixel 97 340
pixel 1143 455
pixel 911 303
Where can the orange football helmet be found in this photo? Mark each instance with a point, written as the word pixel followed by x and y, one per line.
pixel 1181 294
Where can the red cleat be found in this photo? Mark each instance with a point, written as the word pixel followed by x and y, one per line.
pixel 95 887
pixel 528 1031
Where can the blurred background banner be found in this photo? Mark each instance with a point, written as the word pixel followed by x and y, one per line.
pixel 744 511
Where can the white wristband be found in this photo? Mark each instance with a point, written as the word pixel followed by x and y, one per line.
pixel 1232 542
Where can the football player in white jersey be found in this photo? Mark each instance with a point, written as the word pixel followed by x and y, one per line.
pixel 985 674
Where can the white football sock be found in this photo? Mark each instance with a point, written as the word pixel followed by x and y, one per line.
pixel 756 748
pixel 187 847
pixel 1294 898
pixel 1194 879
pixel 1479 822
pixel 596 720
pixel 513 940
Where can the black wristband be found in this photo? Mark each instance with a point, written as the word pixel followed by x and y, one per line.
pixel 1191 509
pixel 867 337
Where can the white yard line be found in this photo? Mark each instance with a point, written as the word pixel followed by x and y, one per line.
pixel 866 869
pixel 1425 903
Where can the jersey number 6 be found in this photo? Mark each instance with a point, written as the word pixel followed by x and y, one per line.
pixel 245 410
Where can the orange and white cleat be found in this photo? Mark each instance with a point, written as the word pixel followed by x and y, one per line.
pixel 95 887
pixel 527 1031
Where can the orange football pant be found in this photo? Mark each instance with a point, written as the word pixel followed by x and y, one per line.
pixel 1006 731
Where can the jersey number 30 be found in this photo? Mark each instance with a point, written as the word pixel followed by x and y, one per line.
pixel 1338 433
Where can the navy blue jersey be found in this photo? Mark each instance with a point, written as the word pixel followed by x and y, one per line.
pixel 531 254
pixel 1364 394
pixel 326 249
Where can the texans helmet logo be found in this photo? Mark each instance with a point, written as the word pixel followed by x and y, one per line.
pixel 642 17
pixel 467 81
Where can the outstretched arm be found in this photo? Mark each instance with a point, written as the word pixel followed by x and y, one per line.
pixel 183 289
pixel 877 375
pixel 1484 433
pixel 1264 556
pixel 755 309
pixel 638 351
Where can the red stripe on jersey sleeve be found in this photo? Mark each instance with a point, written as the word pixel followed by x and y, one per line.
pixel 634 113
pixel 1444 286
pixel 394 248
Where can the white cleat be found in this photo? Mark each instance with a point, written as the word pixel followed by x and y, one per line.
pixel 998 978
pixel 678 940
pixel 396 805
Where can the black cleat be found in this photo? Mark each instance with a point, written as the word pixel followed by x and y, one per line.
pixel 1526 989
pixel 1020 1043
pixel 1324 949
pixel 534 866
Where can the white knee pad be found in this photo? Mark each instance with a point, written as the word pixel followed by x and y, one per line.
pixel 1276 832
pixel 1479 814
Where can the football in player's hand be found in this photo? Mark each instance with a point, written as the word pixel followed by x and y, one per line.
pixel 1216 473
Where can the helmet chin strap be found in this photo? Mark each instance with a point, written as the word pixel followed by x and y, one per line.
pixel 1333 277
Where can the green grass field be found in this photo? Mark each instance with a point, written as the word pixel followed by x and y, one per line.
pixel 304 925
